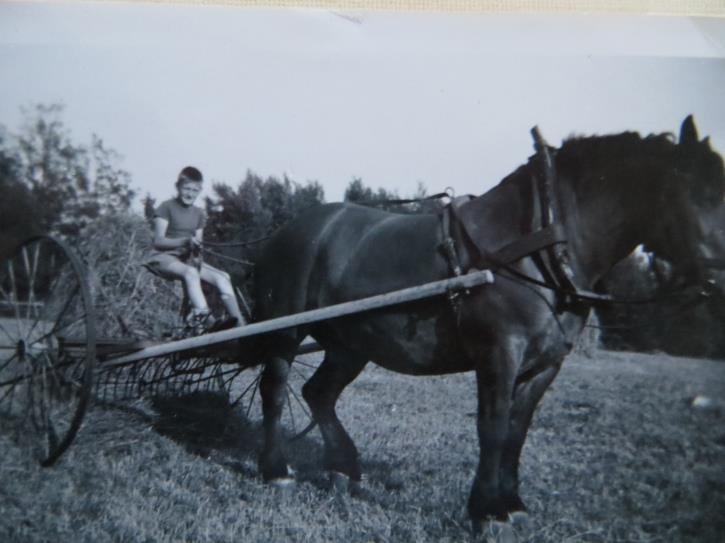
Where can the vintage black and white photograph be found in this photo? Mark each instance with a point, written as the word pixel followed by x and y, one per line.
pixel 317 275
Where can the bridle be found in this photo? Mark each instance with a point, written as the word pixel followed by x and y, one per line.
pixel 547 246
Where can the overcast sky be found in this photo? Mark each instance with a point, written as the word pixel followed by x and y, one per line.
pixel 394 98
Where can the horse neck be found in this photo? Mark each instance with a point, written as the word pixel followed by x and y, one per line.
pixel 604 213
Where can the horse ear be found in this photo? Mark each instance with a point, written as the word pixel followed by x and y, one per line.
pixel 688 131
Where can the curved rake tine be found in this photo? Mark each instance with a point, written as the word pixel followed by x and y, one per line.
pixel 47 423
pixel 246 390
pixel 299 401
pixel 254 392
pixel 305 364
pixel 298 372
pixel 311 426
pixel 236 371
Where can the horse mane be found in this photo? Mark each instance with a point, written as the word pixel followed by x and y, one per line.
pixel 704 167
pixel 581 154
pixel 592 151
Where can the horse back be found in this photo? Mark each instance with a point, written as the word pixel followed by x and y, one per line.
pixel 340 252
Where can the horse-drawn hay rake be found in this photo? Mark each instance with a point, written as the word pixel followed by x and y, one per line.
pixel 54 359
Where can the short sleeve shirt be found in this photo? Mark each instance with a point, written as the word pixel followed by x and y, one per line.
pixel 183 221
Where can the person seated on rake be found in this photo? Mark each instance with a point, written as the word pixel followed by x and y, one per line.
pixel 177 239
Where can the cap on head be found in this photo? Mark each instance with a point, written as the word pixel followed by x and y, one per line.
pixel 189 174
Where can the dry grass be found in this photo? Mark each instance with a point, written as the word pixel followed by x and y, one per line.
pixel 616 453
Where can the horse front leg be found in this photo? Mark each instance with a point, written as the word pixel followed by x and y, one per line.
pixel 527 395
pixel 495 380
pixel 272 388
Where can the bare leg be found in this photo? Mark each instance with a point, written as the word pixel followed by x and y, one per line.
pixel 321 392
pixel 192 282
pixel 221 280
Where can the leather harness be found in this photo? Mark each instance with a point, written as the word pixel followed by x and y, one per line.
pixel 547 245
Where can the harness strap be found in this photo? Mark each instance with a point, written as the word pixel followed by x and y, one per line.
pixel 536 241
pixel 448 246
pixel 562 272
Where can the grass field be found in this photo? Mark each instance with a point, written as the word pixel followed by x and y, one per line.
pixel 617 452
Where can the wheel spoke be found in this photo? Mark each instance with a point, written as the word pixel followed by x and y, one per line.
pixel 54 330
pixel 9 390
pixel 8 361
pixel 30 272
pixel 13 340
pixel 14 297
pixel 49 296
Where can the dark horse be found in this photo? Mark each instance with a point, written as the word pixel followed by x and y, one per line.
pixel 610 194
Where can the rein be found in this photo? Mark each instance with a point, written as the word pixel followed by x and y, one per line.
pixel 237 243
pixel 207 244
pixel 229 258
pixel 448 193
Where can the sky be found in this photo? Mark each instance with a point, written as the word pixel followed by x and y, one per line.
pixel 446 100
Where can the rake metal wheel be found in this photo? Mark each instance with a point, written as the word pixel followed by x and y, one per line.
pixel 47 345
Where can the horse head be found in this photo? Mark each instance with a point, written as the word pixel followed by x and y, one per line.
pixel 691 233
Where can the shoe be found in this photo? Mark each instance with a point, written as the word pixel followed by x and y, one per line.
pixel 225 324
pixel 198 323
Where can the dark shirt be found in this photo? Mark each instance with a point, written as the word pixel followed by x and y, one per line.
pixel 183 222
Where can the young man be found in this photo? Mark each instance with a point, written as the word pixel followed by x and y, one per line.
pixel 177 238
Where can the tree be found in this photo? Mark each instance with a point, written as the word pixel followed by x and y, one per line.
pixel 75 183
pixel 252 211
pixel 18 213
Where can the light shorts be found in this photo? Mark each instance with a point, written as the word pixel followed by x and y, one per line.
pixel 160 261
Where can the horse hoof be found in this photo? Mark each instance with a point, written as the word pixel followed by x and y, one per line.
pixel 340 483
pixel 520 520
pixel 494 531
pixel 283 485
pixel 284 482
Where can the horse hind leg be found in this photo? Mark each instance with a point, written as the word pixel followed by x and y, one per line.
pixel 273 459
pixel 321 392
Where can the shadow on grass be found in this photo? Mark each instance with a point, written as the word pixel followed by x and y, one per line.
pixel 207 425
